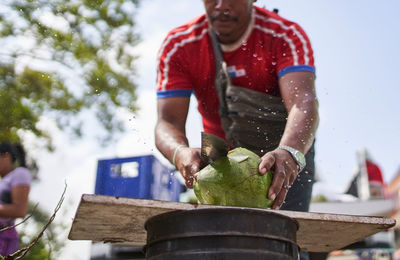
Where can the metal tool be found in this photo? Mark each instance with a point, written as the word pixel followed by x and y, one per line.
pixel 213 147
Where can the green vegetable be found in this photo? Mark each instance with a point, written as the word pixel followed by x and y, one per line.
pixel 234 180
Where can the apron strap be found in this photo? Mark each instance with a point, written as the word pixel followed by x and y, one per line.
pixel 222 80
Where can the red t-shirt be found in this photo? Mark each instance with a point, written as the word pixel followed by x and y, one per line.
pixel 186 64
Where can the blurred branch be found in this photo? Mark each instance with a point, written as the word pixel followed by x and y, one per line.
pixel 23 251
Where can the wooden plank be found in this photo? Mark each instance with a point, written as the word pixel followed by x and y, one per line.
pixel 121 220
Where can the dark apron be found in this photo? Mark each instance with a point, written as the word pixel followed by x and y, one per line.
pixel 256 121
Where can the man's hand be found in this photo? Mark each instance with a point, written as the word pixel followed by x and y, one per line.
pixel 189 161
pixel 285 173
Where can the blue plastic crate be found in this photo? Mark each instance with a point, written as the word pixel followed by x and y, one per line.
pixel 142 177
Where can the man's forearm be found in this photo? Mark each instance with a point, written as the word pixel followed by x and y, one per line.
pixel 301 126
pixel 168 137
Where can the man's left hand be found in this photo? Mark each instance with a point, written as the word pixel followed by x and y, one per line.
pixel 285 173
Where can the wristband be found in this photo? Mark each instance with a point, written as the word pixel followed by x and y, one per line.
pixel 176 152
pixel 297 156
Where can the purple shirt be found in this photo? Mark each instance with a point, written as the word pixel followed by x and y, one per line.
pixel 17 177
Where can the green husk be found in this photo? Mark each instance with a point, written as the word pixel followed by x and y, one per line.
pixel 234 180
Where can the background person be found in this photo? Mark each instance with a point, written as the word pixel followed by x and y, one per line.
pixel 14 191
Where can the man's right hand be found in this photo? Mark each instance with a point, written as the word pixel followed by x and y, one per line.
pixel 188 162
pixel 170 134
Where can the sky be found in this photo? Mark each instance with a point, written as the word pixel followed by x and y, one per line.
pixel 356 47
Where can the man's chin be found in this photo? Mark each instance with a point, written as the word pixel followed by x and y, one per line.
pixel 224 36
pixel 223 30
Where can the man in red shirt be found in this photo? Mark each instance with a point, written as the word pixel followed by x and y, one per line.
pixel 263 52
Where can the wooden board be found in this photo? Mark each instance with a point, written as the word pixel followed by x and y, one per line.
pixel 121 220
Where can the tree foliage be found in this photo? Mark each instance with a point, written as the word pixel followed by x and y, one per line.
pixel 62 59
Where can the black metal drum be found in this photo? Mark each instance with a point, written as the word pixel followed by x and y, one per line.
pixel 221 233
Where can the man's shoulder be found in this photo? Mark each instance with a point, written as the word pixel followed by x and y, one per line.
pixel 271 20
pixel 194 26
pixel 186 35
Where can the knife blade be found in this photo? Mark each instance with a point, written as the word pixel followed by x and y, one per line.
pixel 213 147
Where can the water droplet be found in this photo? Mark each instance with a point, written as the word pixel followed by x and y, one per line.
pixel 274 63
pixel 305 111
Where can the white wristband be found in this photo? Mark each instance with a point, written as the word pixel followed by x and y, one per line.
pixel 176 152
